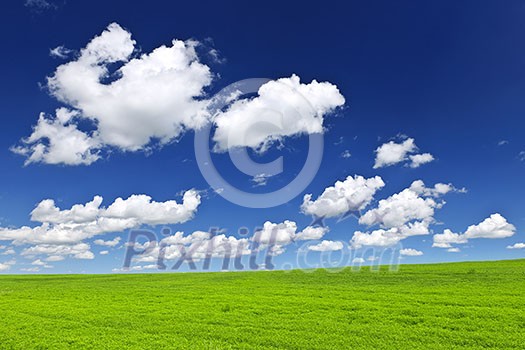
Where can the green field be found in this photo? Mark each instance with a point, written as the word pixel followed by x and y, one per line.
pixel 443 306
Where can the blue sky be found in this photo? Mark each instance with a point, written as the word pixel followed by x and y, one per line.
pixel 448 75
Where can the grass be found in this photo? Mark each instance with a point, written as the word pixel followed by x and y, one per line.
pixel 471 305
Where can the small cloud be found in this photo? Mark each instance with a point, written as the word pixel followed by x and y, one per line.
pixel 503 142
pixel 516 246
pixel 410 252
pixel 521 156
pixel 346 154
pixel 358 261
pixel 453 250
pixel 40 6
pixel 60 52
pixel 260 180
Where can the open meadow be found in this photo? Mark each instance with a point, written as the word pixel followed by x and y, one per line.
pixel 441 306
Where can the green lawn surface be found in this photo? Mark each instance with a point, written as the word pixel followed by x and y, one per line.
pixel 472 305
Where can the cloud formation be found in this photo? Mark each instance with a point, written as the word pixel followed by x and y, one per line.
pixel 283 108
pixel 351 195
pixel 392 153
pixel 153 98
pixel 493 227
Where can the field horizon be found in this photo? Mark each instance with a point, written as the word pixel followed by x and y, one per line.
pixel 467 305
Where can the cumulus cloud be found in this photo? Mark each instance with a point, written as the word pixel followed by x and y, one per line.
pixel 445 239
pixel 57 140
pixel 438 190
pixel 493 227
pixel 195 246
pixel 326 246
pixel 152 96
pixel 111 243
pixel 404 214
pixel 417 160
pixel 61 233
pixel 392 153
pixel 410 252
pixel 400 208
pixel 376 238
pixel 311 233
pixel 516 246
pixel 152 99
pixel 350 195
pixel 358 261
pixel 77 251
pixel 283 108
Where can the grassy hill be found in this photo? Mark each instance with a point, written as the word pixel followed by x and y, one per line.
pixel 443 306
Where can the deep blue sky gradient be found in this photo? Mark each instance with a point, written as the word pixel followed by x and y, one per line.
pixel 450 74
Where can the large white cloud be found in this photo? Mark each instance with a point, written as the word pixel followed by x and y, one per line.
pixel 399 209
pixel 402 215
pixel 391 153
pixel 350 195
pixel 493 227
pixel 87 220
pixel 284 107
pixel 152 98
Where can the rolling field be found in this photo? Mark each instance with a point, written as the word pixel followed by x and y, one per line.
pixel 444 306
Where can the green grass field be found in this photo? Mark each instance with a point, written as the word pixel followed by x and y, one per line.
pixel 444 306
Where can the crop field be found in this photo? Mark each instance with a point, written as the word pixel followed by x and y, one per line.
pixel 443 306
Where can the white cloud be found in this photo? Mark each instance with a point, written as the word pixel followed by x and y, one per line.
pixel 112 243
pixel 493 227
pixel 350 195
pixel 104 252
pixel 376 238
pixel 77 251
pixel 326 246
pixel 260 180
pixel 400 208
pixel 346 154
pixel 410 252
pixel 281 233
pixel 358 261
pixel 445 239
pixel 87 220
pixel 438 190
pixel 516 246
pixel 9 251
pixel 60 52
pixel 416 160
pixel 311 233
pixel 30 269
pixel 453 250
pixel 66 144
pixel 196 246
pixel 391 153
pixel 152 99
pixel 155 96
pixel 4 267
pixel 283 108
